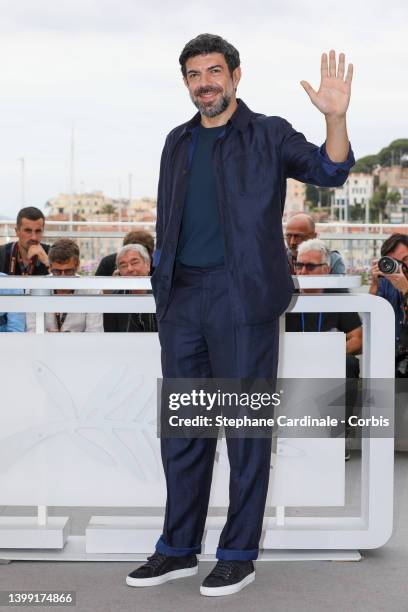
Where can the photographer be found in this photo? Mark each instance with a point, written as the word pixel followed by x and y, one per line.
pixel 389 279
pixel 64 262
pixel 29 255
pixel 299 228
pixel 131 260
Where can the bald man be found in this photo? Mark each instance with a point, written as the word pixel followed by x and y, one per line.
pixel 301 227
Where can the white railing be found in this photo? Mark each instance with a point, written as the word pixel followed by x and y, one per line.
pixel 48 283
pixel 358 243
pixel 82 392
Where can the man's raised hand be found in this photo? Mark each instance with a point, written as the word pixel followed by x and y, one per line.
pixel 36 250
pixel 333 96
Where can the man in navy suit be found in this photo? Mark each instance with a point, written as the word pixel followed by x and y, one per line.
pixel 221 280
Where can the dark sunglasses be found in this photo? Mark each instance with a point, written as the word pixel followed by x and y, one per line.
pixel 290 236
pixel 309 266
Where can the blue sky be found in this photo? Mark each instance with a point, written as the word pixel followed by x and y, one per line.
pixel 111 69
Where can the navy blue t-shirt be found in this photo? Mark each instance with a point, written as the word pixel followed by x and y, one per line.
pixel 200 242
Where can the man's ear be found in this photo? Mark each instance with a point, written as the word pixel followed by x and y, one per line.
pixel 236 76
pixel 185 81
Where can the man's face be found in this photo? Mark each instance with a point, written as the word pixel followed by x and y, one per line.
pixel 64 268
pixel 30 232
pixel 132 263
pixel 311 263
pixel 297 231
pixel 210 83
pixel 401 254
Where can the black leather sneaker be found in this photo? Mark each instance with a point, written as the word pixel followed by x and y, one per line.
pixel 228 577
pixel 161 568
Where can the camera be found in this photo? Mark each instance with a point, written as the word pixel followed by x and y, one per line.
pixel 388 265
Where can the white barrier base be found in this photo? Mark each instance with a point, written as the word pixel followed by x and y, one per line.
pixel 131 535
pixel 310 555
pixel 123 534
pixel 25 532
pixel 75 550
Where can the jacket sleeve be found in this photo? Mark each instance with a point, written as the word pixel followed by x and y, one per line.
pixel 3 267
pixel 309 163
pixel 110 322
pixel 161 195
pixel 16 322
pixel 382 288
pixel 337 265
pixel 105 266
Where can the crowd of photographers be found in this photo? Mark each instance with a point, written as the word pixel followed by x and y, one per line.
pixel 307 254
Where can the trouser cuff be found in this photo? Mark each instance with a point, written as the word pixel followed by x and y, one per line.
pixel 227 554
pixel 172 551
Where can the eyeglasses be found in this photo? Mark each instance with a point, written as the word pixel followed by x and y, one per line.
pixel 66 272
pixel 290 236
pixel 309 266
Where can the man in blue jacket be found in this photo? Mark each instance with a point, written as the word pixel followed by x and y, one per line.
pixel 221 280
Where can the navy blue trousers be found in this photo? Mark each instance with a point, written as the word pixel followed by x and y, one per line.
pixel 199 340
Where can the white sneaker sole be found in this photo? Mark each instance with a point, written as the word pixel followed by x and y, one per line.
pixel 227 590
pixel 156 580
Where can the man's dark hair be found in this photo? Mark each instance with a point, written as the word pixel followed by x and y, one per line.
pixel 29 212
pixel 209 43
pixel 62 250
pixel 140 237
pixel 392 242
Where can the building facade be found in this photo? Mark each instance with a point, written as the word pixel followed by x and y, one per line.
pixel 356 191
pixel 396 178
pixel 295 198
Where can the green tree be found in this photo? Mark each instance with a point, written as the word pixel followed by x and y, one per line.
pixel 378 203
pixel 312 195
pixel 316 195
pixel 357 213
pixel 108 209
pixel 325 196
pixel 388 156
pixel 366 164
pixel 391 155
pixel 393 197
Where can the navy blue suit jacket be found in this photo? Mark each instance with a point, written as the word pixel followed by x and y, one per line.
pixel 252 161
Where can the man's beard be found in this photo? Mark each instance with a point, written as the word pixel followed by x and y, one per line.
pixel 214 109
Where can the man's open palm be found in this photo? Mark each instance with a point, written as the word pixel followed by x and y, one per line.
pixel 334 92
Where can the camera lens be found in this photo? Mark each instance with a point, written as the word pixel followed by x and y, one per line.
pixel 388 265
